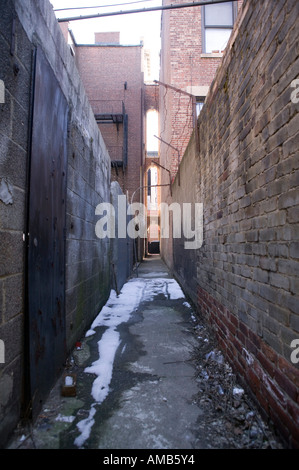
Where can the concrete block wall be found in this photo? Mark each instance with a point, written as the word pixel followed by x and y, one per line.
pixel 88 184
pixel 15 73
pixel 247 268
pixel 121 248
pixel 87 257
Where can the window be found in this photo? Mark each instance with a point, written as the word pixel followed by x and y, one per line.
pixel 218 21
pixel 152 194
pixel 200 101
pixel 152 119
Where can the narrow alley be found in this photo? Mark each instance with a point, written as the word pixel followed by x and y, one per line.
pixel 147 375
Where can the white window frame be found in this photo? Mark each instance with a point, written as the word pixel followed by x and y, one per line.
pixel 204 27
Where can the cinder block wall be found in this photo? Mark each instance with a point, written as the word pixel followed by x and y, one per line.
pixel 15 71
pixel 88 184
pixel 247 268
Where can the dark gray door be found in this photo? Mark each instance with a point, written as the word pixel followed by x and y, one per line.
pixel 46 348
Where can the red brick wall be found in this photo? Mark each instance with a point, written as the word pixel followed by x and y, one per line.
pixel 107 38
pixel 112 75
pixel 247 172
pixel 183 65
pixel 273 380
pixel 151 97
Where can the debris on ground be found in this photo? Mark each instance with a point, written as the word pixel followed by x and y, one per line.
pixel 231 419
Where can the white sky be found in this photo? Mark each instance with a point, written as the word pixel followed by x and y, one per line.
pixel 132 27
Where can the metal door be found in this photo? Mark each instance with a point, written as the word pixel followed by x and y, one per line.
pixel 46 347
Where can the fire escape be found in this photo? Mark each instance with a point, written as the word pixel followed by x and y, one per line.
pixel 113 113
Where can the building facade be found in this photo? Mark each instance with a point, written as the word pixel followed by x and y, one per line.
pixel 243 168
pixel 55 272
pixel 113 77
pixel 193 40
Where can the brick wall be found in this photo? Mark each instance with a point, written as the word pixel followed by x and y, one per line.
pixel 112 75
pixel 247 269
pixel 184 65
pixel 88 183
pixel 107 38
pixel 151 97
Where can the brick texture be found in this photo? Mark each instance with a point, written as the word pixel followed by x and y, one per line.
pixel 112 76
pixel 184 65
pixel 247 179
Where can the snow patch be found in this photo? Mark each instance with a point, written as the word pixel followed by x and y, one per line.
pixel 85 427
pixel 65 419
pixel 118 309
pixel 174 290
pixel 103 367
pixel 237 391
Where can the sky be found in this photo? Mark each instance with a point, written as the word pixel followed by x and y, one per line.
pixel 132 27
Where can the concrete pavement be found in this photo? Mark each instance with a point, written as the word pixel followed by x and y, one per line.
pixel 150 404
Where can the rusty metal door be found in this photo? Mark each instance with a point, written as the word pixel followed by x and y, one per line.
pixel 46 226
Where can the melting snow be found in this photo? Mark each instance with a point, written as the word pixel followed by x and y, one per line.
pixel 85 427
pixel 103 366
pixel 65 419
pixel 117 310
pixel 174 290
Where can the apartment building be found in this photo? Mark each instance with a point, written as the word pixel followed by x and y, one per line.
pixel 193 40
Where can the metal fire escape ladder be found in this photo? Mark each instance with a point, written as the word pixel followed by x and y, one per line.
pixel 117 118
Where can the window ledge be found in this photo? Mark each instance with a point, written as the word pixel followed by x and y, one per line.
pixel 212 55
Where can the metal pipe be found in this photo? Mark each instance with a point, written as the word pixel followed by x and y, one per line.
pixel 174 148
pixel 147 186
pixel 142 10
pixel 166 169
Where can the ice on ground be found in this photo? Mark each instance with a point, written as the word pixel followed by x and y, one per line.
pixel 85 427
pixel 174 290
pixel 167 287
pixel 103 367
pixel 117 310
pixel 65 419
pixel 237 391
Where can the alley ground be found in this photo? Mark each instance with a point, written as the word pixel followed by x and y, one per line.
pixel 148 376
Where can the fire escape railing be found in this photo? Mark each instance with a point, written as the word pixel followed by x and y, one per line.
pixel 114 112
